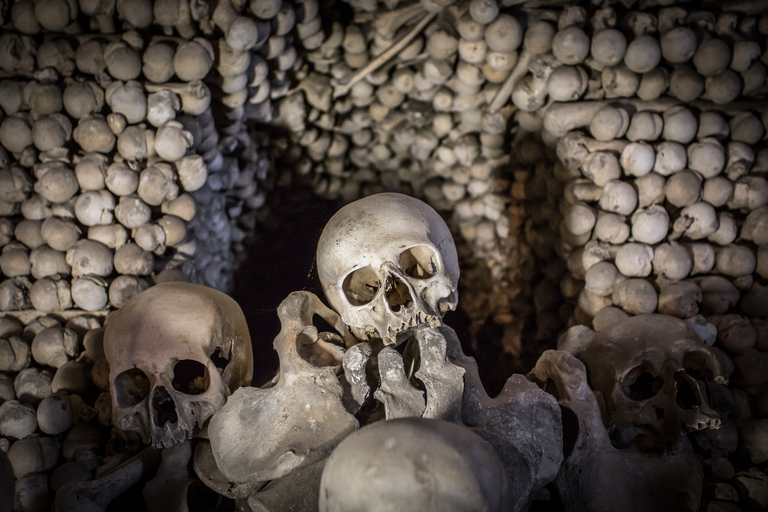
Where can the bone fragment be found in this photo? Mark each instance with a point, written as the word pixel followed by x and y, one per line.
pixel 400 399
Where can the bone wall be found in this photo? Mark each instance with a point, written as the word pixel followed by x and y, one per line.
pixel 593 162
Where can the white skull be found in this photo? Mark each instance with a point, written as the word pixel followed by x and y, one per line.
pixel 412 465
pixel 388 264
pixel 652 371
pixel 176 351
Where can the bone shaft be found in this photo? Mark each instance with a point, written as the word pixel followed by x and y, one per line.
pixel 372 66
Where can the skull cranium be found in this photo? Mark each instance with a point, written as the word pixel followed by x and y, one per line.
pixel 175 352
pixel 387 264
pixel 651 371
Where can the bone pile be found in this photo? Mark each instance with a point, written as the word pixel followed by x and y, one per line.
pixel 414 99
pixel 56 409
pixel 108 141
pixel 663 207
pixel 664 167
pixel 113 178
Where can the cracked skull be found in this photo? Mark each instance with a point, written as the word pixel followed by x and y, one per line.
pixel 653 372
pixel 388 264
pixel 176 352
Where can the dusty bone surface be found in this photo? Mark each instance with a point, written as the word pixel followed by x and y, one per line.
pixel 403 277
pixel 169 375
pixel 307 395
pixel 715 270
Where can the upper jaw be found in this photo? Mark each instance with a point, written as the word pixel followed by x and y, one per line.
pixel 397 334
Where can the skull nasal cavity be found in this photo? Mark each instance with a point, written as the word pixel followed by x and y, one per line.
pixel 397 294
pixel 685 397
pixel 190 377
pixel 163 407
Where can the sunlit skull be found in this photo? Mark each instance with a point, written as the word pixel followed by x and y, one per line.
pixel 652 371
pixel 388 264
pixel 176 351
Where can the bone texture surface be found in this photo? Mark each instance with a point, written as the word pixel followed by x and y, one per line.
pixel 599 168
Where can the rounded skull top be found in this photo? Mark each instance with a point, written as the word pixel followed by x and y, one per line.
pixel 652 371
pixel 414 464
pixel 388 264
pixel 176 351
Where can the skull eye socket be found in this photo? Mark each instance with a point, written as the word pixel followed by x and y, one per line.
pixel 131 387
pixel 639 384
pixel 419 262
pixel 360 286
pixel 190 377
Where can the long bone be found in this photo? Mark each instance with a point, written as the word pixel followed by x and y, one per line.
pixel 389 23
pixel 97 494
pixel 503 94
pixel 167 491
pixel 342 87
pixel 563 117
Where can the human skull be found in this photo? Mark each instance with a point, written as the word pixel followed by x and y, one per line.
pixel 651 371
pixel 388 264
pixel 414 464
pixel 175 352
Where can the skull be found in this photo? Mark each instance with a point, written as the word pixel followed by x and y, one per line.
pixel 176 351
pixel 388 264
pixel 596 476
pixel 651 371
pixel 414 464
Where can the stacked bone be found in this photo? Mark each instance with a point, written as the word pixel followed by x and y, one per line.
pixel 112 174
pixel 665 196
pixel 398 101
pixel 101 192
pixel 655 207
pixel 91 192
pixel 55 408
pixel 255 59
pixel 687 56
pixel 256 56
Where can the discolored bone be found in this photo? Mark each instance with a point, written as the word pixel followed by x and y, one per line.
pixel 387 24
pixel 195 96
pixel 140 346
pixel 505 91
pixel 209 473
pixel 400 399
pixel 98 494
pixel 308 434
pixel 522 423
pixel 592 448
pixel 443 380
pixel 385 458
pixel 168 489
pixel 354 363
